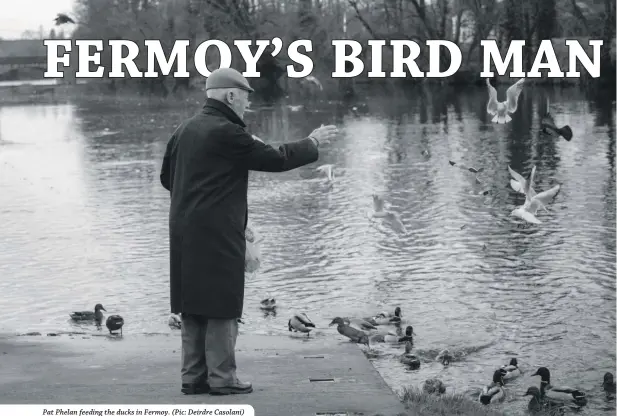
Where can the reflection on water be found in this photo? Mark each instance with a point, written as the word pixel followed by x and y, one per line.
pixel 85 221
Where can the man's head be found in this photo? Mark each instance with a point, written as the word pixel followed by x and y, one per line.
pixel 230 87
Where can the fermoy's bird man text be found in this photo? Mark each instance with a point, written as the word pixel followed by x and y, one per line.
pixel 404 53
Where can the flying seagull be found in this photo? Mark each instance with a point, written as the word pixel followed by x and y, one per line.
pixel 500 109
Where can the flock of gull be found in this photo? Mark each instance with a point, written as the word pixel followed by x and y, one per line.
pixel 366 330
pixel 500 110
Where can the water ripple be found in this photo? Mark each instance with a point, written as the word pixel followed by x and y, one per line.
pixel 85 221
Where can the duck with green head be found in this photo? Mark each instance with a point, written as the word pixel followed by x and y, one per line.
pixel 95 315
pixel 350 332
pixel 494 392
pixel 563 394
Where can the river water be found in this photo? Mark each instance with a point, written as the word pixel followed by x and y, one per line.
pixel 84 220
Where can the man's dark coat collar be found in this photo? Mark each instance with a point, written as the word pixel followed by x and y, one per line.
pixel 218 106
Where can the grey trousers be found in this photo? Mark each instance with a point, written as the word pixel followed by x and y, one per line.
pixel 208 350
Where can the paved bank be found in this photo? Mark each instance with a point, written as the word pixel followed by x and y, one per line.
pixel 146 370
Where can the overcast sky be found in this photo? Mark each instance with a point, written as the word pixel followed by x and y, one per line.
pixel 22 15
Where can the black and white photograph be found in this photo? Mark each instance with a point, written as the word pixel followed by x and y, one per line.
pixel 308 207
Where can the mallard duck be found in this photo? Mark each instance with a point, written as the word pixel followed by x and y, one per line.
pixel 396 314
pixel 494 392
pixel 95 315
pixel 175 321
pixel 561 394
pixel 549 127
pixel 501 109
pixel 445 357
pixel 352 333
pixel 512 370
pixel 114 323
pixel 408 358
pixel 609 384
pixel 300 323
pixel 434 386
pixel 361 323
pixel 384 318
pixel 268 304
pixel 537 404
pixel 391 337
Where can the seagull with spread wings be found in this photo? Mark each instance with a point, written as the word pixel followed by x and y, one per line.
pixel 500 109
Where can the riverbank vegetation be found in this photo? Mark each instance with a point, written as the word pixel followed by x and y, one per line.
pixel 423 404
pixel 464 22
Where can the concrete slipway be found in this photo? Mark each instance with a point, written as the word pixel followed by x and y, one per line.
pixel 290 376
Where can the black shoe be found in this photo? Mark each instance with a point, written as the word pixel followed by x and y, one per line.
pixel 195 388
pixel 237 388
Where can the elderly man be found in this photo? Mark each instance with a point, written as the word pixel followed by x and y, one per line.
pixel 205 169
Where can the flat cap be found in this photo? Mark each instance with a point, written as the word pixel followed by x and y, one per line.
pixel 227 78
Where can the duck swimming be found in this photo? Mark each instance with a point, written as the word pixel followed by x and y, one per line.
pixel 390 337
pixel 268 304
pixel 300 323
pixel 512 370
pixel 561 394
pixel 434 386
pixel 114 323
pixel 537 404
pixel 95 315
pixel 175 322
pixel 609 384
pixel 501 109
pixel 445 357
pixel 384 318
pixel 408 358
pixel 494 392
pixel 352 333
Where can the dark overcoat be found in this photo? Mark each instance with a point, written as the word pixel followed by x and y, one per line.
pixel 205 168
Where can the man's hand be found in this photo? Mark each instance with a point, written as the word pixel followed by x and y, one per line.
pixel 324 134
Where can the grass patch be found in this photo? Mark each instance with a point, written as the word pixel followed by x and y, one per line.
pixel 422 404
